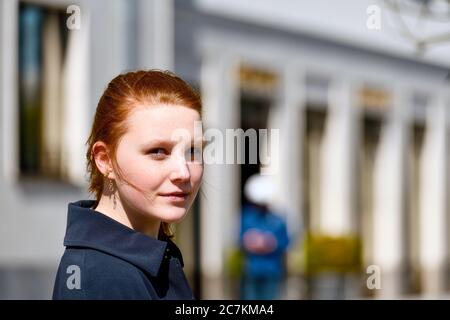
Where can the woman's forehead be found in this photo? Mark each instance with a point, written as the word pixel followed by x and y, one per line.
pixel 164 123
pixel 165 117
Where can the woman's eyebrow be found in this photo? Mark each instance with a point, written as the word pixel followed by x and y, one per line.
pixel 169 142
pixel 157 141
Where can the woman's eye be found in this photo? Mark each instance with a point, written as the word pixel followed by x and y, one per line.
pixel 194 154
pixel 158 153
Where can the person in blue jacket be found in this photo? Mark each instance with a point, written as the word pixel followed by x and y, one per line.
pixel 145 174
pixel 264 240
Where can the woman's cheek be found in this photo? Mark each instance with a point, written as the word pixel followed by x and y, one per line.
pixel 144 173
pixel 198 174
pixel 196 181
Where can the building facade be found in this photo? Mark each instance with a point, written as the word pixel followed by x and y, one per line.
pixel 362 149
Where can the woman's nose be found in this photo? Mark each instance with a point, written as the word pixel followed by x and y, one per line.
pixel 180 169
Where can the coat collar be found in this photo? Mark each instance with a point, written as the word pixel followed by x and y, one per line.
pixel 92 229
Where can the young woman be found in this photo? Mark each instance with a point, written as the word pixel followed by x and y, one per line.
pixel 144 175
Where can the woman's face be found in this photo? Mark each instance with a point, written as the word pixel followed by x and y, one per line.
pixel 156 164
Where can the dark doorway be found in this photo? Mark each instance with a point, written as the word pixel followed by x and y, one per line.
pixel 254 115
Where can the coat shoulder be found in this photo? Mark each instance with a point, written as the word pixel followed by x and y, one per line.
pixel 86 273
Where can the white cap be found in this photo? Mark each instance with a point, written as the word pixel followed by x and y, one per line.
pixel 259 189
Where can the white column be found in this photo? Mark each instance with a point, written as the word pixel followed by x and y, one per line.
pixel 287 161
pixel 155 34
pixel 389 177
pixel 108 45
pixel 433 187
pixel 75 104
pixel 338 162
pixel 220 206
pixel 8 91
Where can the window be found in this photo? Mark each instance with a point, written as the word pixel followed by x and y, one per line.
pixel 52 95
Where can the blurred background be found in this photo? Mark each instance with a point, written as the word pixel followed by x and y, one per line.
pixel 358 89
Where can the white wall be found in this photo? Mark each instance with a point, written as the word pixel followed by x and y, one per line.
pixel 341 21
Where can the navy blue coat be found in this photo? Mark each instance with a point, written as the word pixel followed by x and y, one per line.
pixel 105 259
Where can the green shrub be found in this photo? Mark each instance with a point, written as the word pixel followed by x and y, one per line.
pixel 336 254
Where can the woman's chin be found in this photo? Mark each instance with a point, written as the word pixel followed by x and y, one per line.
pixel 173 214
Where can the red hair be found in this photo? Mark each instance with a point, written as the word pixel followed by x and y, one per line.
pixel 124 93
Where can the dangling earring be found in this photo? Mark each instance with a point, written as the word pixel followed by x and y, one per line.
pixel 112 191
pixel 111 187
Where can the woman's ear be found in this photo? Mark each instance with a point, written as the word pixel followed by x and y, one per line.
pixel 100 153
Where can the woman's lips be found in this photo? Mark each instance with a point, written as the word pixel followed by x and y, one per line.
pixel 176 197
